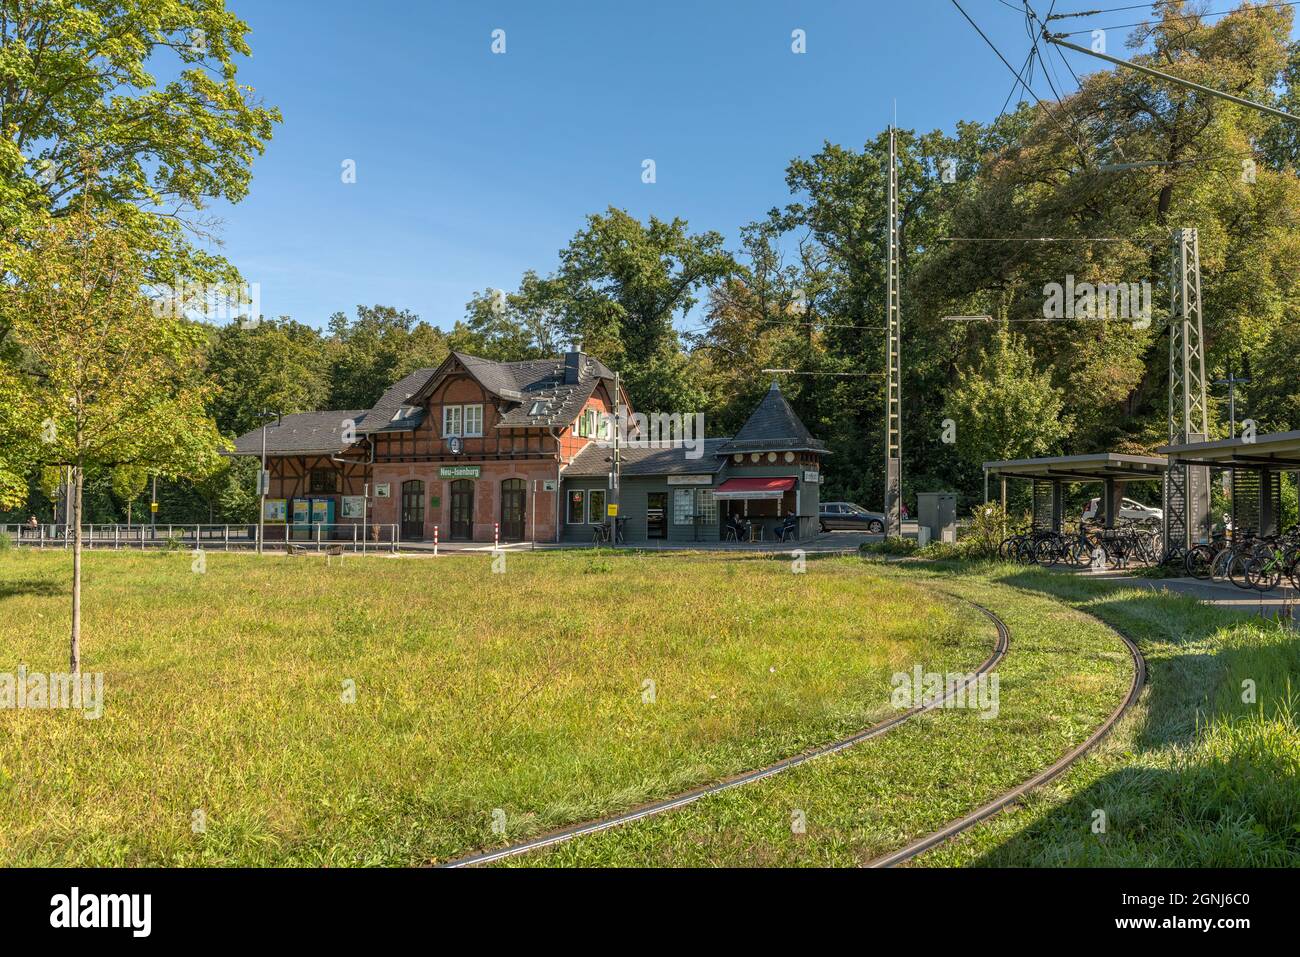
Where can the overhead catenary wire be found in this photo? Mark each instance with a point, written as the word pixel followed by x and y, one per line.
pixel 1173 19
pixel 1029 89
pixel 1040 239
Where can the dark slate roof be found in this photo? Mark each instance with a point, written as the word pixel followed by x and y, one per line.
pixel 304 433
pixel 533 381
pixel 591 461
pixel 773 427
pixel 384 417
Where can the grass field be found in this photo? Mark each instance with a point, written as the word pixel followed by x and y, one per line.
pixel 1193 776
pixel 523 692
pixel 1196 776
pixel 1063 675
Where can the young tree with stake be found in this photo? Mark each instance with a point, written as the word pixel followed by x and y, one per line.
pixel 100 378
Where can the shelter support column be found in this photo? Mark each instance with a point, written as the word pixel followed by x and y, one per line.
pixel 1058 504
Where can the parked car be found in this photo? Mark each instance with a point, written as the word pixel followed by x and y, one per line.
pixel 845 516
pixel 1129 511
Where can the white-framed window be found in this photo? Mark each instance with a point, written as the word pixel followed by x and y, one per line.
pixel 577 504
pixel 691 505
pixel 596 506
pixel 451 422
pixel 473 420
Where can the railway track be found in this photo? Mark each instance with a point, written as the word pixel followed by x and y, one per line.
pixel 1004 801
pixel 749 777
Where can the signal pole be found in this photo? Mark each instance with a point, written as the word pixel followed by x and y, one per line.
pixel 893 363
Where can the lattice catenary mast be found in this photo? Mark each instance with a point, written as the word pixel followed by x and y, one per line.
pixel 1187 487
pixel 893 363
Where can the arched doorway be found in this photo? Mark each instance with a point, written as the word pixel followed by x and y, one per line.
pixel 462 510
pixel 514 497
pixel 413 510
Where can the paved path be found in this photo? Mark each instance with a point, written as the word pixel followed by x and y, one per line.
pixel 822 543
pixel 1279 602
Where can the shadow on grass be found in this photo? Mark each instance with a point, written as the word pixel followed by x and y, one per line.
pixel 1210 779
pixel 40 587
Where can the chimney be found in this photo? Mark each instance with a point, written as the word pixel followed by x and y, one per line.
pixel 573 361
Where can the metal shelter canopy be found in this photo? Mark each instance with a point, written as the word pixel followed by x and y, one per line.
pixel 1256 464
pixel 1279 451
pixel 1095 467
pixel 1054 472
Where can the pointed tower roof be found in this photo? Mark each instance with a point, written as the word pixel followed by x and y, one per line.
pixel 773 427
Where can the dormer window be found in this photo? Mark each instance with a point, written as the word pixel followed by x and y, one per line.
pixel 537 408
pixel 463 420
pixel 474 420
pixel 450 420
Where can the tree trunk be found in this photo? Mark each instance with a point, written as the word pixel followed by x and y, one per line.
pixel 75 655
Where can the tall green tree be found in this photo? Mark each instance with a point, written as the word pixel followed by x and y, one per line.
pixel 379 347
pixel 1004 408
pixel 278 365
pixel 620 287
pixel 142 96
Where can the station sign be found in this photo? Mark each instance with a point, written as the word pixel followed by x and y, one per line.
pixel 458 471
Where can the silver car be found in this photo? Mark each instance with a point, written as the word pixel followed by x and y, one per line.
pixel 845 516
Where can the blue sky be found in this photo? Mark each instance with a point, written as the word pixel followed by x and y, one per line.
pixel 473 166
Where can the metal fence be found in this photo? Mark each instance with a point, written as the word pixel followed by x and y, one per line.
pixel 315 537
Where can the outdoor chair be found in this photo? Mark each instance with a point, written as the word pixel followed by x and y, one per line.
pixel 789 530
pixel 332 552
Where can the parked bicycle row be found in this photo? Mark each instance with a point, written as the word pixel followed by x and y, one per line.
pixel 1247 560
pixel 1088 546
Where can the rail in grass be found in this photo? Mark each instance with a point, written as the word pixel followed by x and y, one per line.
pixel 1003 801
pixel 1001 646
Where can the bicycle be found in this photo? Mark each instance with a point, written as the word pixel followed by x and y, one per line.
pixel 1272 561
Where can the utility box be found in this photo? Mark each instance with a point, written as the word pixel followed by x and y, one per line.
pixel 937 511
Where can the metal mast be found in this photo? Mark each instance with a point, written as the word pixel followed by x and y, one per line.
pixel 1187 487
pixel 893 363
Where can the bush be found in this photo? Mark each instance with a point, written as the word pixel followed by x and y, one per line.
pixel 889 546
pixel 988 526
pixel 6 542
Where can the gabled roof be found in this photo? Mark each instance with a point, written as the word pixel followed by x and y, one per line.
pixel 391 412
pixel 773 427
pixel 533 384
pixel 593 460
pixel 303 433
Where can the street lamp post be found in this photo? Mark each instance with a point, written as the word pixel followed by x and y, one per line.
pixel 1232 382
pixel 263 485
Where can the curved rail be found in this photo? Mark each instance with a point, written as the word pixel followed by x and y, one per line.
pixel 1000 803
pixel 748 777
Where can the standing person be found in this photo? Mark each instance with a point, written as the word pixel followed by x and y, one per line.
pixel 32 526
pixel 903 512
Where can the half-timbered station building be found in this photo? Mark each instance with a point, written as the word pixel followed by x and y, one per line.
pixel 521 451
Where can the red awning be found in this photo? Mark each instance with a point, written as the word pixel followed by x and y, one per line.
pixel 753 488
